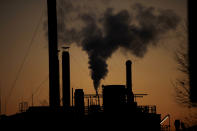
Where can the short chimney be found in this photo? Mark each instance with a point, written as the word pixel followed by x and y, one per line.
pixel 130 96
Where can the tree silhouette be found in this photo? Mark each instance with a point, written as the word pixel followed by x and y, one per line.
pixel 182 83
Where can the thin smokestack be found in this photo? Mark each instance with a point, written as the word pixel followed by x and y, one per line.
pixel 66 78
pixel 191 50
pixel 130 97
pixel 54 94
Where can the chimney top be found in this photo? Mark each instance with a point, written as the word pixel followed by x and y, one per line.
pixel 128 62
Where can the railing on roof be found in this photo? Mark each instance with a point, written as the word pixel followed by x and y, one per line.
pixel 148 108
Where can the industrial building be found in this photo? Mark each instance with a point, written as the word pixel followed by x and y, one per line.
pixel 116 104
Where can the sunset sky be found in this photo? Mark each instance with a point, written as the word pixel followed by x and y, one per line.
pixel 153 74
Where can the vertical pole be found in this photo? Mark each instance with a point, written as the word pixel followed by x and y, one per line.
pixel 169 122
pixel 72 96
pixel 0 100
pixel 5 106
pixel 54 93
pixel 98 100
pixel 32 100
pixel 88 102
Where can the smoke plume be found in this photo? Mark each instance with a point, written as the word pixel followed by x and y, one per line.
pixel 101 33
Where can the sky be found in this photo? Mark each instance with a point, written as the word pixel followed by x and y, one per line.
pixel 22 20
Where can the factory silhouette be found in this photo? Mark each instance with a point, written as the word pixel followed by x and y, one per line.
pixel 116 104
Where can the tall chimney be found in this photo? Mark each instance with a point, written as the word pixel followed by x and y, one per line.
pixel 192 51
pixel 130 96
pixel 54 94
pixel 66 78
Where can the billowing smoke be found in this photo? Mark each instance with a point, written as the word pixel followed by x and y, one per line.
pixel 101 33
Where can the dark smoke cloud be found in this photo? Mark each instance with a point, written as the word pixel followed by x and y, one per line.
pixel 101 34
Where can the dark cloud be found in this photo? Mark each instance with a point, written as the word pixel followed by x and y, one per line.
pixel 101 33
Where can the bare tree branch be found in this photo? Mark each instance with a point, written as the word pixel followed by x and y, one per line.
pixel 181 84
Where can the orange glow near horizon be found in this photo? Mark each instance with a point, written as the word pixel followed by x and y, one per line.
pixel 152 74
